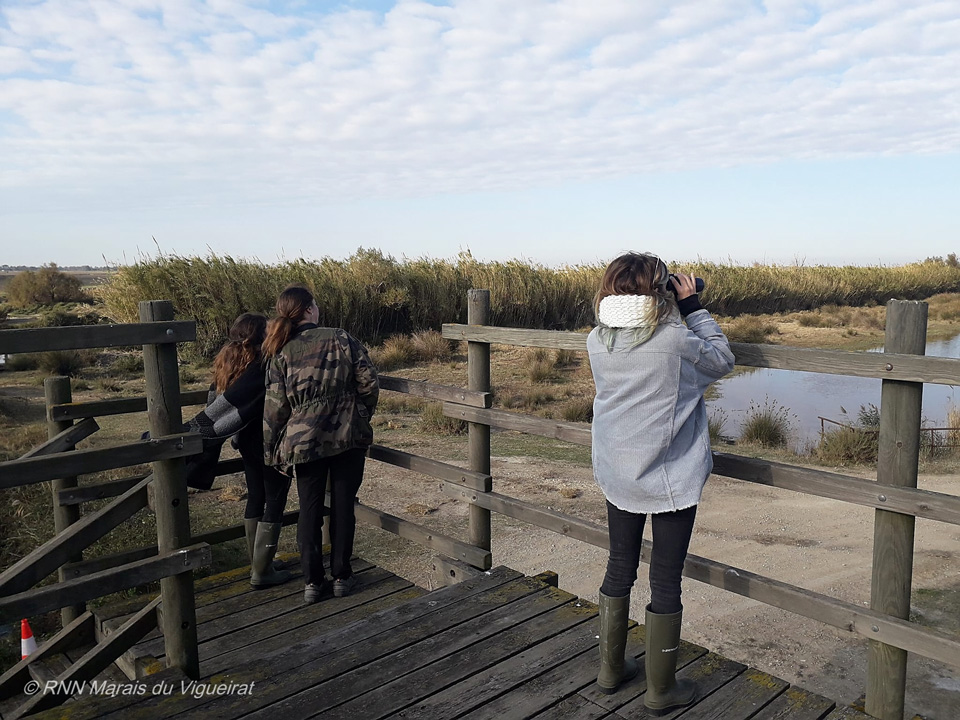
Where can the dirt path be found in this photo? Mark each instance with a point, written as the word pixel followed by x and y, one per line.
pixel 822 545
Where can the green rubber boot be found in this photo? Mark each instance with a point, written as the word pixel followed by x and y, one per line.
pixel 250 530
pixel 614 667
pixel 262 573
pixel 664 691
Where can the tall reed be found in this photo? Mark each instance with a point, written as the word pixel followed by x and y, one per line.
pixel 374 295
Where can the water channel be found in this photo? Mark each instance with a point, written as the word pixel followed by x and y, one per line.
pixel 809 395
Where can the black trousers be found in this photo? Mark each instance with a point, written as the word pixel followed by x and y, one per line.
pixel 671 538
pixel 267 487
pixel 345 472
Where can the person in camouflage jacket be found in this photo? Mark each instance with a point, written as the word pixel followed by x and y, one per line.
pixel 321 392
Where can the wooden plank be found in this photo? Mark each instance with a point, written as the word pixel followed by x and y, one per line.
pixel 92 707
pixel 574 708
pixel 119 406
pixel 848 713
pixel 64 440
pixel 98 491
pixel 40 562
pixel 96 336
pixel 436 663
pixel 554 520
pixel 321 656
pixel 907 500
pixel 431 468
pixel 898 457
pixel 507 674
pixel 447 571
pixel 449 393
pixel 710 672
pixel 419 534
pixel 796 704
pixel 70 592
pixel 572 432
pixel 360 669
pixel 244 611
pixel 95 661
pixel 889 366
pixel 823 608
pixel 740 698
pixel 541 692
pixel 521 337
pixel 81 462
pixel 231 651
pixel 78 632
pixel 210 537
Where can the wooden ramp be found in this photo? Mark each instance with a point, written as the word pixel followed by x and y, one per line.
pixel 500 645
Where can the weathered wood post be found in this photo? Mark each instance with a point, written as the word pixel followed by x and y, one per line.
pixel 899 453
pixel 170 494
pixel 478 378
pixel 57 391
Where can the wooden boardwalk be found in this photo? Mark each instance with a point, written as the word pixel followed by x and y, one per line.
pixel 500 645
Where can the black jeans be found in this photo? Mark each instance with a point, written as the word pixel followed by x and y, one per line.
pixel 267 487
pixel 671 538
pixel 346 473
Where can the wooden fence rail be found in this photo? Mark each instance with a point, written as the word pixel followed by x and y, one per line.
pixel 81 462
pixel 85 337
pixel 884 366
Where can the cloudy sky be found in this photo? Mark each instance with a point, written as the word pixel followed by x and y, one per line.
pixel 559 131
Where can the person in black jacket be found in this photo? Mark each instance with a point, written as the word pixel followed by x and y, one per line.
pixel 235 408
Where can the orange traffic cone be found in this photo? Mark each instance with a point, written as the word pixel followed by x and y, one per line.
pixel 27 643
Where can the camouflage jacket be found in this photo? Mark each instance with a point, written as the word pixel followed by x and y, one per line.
pixel 322 390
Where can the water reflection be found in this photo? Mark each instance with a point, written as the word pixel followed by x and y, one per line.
pixel 808 395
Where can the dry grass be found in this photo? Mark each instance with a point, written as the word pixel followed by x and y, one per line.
pixel 577 410
pixel 430 345
pixel 748 329
pixel 396 352
pixel 432 420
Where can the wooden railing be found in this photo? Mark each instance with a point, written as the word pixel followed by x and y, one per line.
pixel 177 551
pixel 894 495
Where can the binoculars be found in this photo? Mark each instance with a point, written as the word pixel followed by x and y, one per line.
pixel 697 281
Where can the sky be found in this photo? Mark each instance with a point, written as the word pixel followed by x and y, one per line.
pixel 554 131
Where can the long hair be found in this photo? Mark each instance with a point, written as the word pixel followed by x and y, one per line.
pixel 243 348
pixel 292 305
pixel 636 274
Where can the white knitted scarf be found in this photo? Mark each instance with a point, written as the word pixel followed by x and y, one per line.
pixel 628 311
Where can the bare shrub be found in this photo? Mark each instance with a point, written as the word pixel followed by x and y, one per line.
pixel 431 345
pixel 396 352
pixel 748 329
pixel 432 420
pixel 578 410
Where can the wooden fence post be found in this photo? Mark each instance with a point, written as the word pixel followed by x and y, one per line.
pixel 170 494
pixel 899 453
pixel 57 391
pixel 478 378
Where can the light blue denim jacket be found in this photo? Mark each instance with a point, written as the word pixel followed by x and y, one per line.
pixel 651 446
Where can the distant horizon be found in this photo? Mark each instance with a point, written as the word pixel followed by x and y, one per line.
pixel 403 259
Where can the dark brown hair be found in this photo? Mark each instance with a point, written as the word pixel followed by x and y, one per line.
pixel 292 305
pixel 243 347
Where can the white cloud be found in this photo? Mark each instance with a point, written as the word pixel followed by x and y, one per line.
pixel 226 100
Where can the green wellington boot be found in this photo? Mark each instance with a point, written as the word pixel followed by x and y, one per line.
pixel 262 573
pixel 250 530
pixel 664 691
pixel 614 667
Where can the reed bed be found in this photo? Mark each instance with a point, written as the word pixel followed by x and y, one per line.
pixel 374 295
